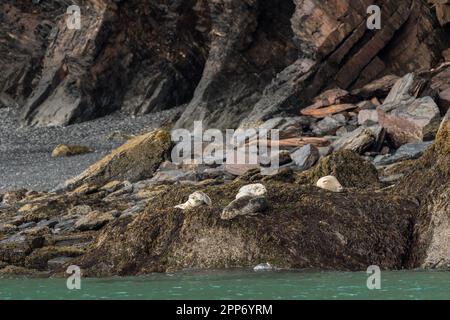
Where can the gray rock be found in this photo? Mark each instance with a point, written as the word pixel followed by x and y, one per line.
pixel 366 105
pixel 358 141
pixel 244 206
pixel 340 118
pixel 305 157
pixel 116 213
pixel 14 239
pixel 345 129
pixel 325 151
pixel 6 101
pixel 408 151
pixel 174 176
pixel 66 225
pixel 51 223
pixel 214 173
pixel 283 157
pixel 327 126
pixel 367 117
pixel 58 263
pixel 27 225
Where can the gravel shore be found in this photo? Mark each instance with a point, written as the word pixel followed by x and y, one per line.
pixel 25 152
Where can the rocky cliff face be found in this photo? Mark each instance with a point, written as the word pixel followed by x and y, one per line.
pixel 231 61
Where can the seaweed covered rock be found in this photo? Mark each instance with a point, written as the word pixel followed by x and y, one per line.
pixel 349 168
pixel 40 257
pixel 304 227
pixel 93 220
pixel 429 182
pixel 136 160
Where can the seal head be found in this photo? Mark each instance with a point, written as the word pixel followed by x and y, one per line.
pixel 330 183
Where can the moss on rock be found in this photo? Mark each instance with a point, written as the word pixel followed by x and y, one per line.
pixel 429 182
pixel 305 227
pixel 351 170
pixel 38 258
pixel 135 160
pixel 68 150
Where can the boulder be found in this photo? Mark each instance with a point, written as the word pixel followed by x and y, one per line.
pixel 244 206
pixel 407 151
pixel 358 141
pixel 305 157
pixel 67 150
pixel 413 120
pixel 327 126
pixel 407 118
pixel 136 160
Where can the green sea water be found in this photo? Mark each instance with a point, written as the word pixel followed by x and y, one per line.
pixel 239 285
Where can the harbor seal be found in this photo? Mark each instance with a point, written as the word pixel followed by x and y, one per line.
pixel 254 190
pixel 264 267
pixel 196 199
pixel 330 183
pixel 244 206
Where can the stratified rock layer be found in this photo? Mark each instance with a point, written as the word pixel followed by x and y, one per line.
pixel 232 61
